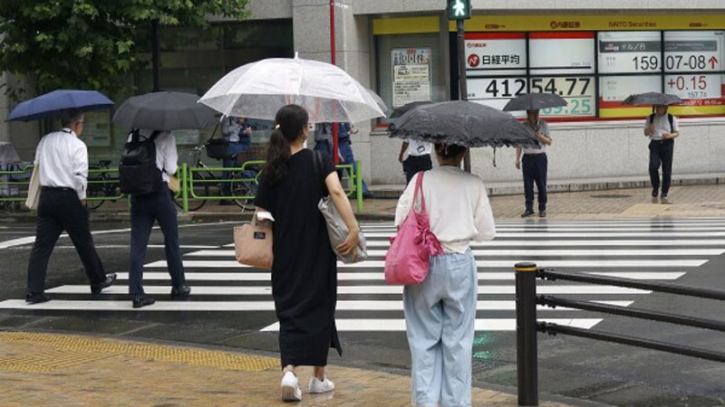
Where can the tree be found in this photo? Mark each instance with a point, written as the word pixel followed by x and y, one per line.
pixel 92 44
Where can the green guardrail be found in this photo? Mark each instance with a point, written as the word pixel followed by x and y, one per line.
pixel 103 183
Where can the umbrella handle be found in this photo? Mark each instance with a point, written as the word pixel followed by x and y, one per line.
pixel 213 133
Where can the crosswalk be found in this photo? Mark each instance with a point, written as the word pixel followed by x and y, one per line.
pixel 662 250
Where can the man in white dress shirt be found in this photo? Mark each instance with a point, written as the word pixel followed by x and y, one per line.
pixel 63 169
pixel 662 128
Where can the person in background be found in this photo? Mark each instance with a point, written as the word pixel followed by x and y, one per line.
pixel 662 129
pixel 238 132
pixel 535 164
pixel 323 142
pixel 62 160
pixel 418 158
pixel 156 207
pixel 304 272
pixel 440 312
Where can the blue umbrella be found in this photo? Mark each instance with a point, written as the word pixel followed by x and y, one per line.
pixel 52 104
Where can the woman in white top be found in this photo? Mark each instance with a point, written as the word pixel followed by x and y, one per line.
pixel 440 312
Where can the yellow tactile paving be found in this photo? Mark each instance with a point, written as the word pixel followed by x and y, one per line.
pixel 99 372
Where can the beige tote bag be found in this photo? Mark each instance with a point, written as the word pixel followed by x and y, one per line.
pixel 34 189
pixel 253 244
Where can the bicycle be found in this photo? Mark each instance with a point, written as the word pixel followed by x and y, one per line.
pixel 101 185
pixel 241 183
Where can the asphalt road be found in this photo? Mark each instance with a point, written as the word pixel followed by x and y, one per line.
pixel 223 311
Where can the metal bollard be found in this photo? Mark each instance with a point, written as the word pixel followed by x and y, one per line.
pixel 526 352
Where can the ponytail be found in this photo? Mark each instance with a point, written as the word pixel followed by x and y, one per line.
pixel 278 155
pixel 290 124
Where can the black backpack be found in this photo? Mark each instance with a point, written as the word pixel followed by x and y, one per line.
pixel 669 119
pixel 138 173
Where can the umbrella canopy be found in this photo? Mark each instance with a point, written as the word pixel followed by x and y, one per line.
pixel 164 111
pixel 534 101
pixel 652 98
pixel 378 100
pixel 258 90
pixel 51 105
pixel 406 108
pixel 466 124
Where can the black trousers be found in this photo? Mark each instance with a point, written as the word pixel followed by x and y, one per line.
pixel 660 153
pixel 59 210
pixel 535 167
pixel 415 164
pixel 145 210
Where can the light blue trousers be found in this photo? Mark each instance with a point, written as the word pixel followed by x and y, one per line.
pixel 440 316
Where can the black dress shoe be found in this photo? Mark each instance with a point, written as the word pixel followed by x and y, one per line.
pixel 36 298
pixel 97 288
pixel 180 291
pixel 527 214
pixel 542 213
pixel 142 301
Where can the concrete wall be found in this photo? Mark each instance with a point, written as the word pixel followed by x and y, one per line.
pixel 584 151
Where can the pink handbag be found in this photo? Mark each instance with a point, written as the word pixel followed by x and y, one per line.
pixel 408 259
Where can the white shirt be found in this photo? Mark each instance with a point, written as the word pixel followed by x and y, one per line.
pixel 166 155
pixel 543 127
pixel 662 125
pixel 457 205
pixel 231 129
pixel 63 160
pixel 418 148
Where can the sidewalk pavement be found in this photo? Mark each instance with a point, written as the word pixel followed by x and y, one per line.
pixel 65 370
pixel 685 201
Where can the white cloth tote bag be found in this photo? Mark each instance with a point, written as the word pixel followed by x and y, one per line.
pixel 34 189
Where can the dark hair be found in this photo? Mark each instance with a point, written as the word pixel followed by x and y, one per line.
pixel 447 151
pixel 290 124
pixel 70 117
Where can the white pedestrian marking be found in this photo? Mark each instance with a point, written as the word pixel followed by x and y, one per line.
pixel 583 243
pixel 537 253
pixel 640 249
pixel 379 276
pixel 398 325
pixel 254 305
pixel 364 289
pixel 379 264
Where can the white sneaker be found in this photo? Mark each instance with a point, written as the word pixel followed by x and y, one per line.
pixel 291 388
pixel 317 386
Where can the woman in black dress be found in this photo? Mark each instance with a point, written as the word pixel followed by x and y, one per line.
pixel 304 272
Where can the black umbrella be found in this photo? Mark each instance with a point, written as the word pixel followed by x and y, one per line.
pixel 164 111
pixel 534 101
pixel 652 98
pixel 406 108
pixel 466 124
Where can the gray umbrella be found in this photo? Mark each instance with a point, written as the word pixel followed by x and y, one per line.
pixel 652 98
pixel 164 111
pixel 466 124
pixel 534 101
pixel 400 111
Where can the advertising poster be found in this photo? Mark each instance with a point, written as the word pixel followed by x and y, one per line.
pixel 411 75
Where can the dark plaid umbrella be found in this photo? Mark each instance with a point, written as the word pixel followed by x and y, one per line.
pixel 406 108
pixel 164 111
pixel 51 105
pixel 462 123
pixel 652 98
pixel 534 101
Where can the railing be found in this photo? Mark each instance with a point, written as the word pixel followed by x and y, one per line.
pixel 527 326
pixel 106 180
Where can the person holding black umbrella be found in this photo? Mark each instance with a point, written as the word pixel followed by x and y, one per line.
pixel 535 163
pixel 62 161
pixel 662 129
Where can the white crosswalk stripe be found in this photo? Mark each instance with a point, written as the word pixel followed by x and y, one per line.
pixel 662 250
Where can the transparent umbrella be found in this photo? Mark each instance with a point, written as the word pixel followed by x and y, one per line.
pixel 258 90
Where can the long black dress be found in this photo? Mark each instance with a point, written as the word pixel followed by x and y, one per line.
pixel 304 272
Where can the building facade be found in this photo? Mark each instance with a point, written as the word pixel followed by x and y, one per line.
pixel 594 53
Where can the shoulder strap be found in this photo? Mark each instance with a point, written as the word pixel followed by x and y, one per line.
pixel 135 135
pixel 651 118
pixel 317 165
pixel 419 192
pixel 154 135
pixel 671 120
